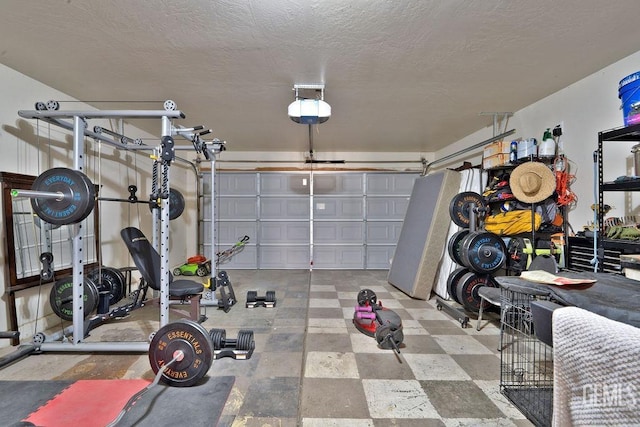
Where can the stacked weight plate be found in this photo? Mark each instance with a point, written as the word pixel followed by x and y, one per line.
pixel 479 253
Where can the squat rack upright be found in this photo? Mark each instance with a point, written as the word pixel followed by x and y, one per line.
pixel 166 152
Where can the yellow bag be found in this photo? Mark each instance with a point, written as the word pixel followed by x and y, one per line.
pixel 511 223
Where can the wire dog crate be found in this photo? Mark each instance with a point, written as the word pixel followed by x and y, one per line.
pixel 526 364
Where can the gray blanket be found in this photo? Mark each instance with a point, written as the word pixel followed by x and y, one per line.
pixel 596 372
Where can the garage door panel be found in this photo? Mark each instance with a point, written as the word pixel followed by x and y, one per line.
pixel 379 257
pixel 383 232
pixel 338 184
pixel 338 208
pixel 229 232
pixel 284 256
pixel 284 232
pixel 284 184
pixel 236 208
pixel 247 258
pixel 284 208
pixel 343 232
pixel 389 184
pixel 236 184
pixel 387 207
pixel 338 257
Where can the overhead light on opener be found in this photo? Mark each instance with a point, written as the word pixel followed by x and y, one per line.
pixel 309 111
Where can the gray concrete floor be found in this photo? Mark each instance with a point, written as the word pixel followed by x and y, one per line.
pixel 311 367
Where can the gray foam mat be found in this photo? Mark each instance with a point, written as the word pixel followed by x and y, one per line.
pixel 198 405
pixel 21 398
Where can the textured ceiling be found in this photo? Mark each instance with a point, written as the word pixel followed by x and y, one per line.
pixel 408 75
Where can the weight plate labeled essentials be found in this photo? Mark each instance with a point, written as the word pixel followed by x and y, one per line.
pixel 483 252
pixel 460 207
pixel 452 282
pixel 77 196
pixel 109 279
pixel 467 290
pixel 454 246
pixel 176 204
pixel 61 298
pixel 189 339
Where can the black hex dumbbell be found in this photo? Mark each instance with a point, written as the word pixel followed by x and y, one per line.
pixel 268 300
pixel 239 348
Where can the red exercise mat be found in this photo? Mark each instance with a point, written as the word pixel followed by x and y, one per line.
pixel 87 403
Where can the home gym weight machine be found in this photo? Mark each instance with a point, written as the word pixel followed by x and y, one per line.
pixel 185 352
pixel 210 150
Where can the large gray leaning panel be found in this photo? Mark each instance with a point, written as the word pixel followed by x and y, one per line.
pixel 424 233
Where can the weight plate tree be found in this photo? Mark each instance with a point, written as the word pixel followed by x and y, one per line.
pixel 460 207
pixel 195 345
pixel 76 200
pixel 61 297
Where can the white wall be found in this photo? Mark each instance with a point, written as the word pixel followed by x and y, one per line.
pixel 30 147
pixel 585 108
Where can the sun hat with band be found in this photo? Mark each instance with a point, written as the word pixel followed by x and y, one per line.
pixel 532 182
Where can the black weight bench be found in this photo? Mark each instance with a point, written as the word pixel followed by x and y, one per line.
pixel 147 260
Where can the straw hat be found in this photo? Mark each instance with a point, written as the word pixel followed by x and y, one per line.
pixel 532 182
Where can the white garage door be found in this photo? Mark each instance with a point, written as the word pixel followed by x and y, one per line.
pixel 328 220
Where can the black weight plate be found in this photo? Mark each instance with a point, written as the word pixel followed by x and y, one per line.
pixel 384 334
pixel 176 204
pixel 109 279
pixel 270 296
pixel 252 296
pixel 245 340
pixel 94 297
pixel 454 246
pixel 193 341
pixel 452 282
pixel 61 298
pixel 468 287
pixel 218 338
pixel 78 196
pixel 484 252
pixel 367 295
pixel 460 207
pixel 464 245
